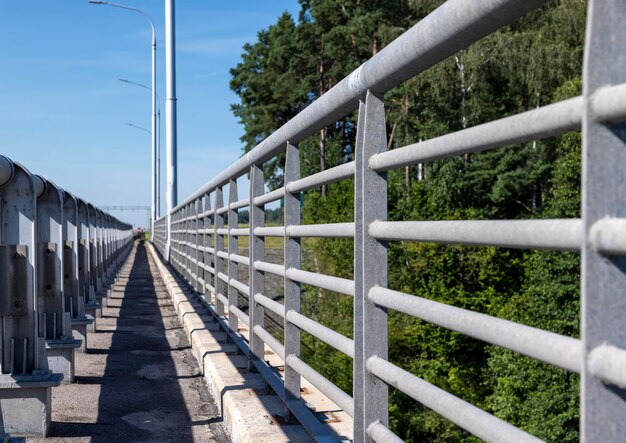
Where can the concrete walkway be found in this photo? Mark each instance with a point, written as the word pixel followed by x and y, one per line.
pixel 139 381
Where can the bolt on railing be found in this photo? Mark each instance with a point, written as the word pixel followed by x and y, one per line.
pixel 599 356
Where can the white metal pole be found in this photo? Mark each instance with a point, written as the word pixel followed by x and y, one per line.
pixel 153 184
pixel 171 197
pixel 154 138
pixel 158 164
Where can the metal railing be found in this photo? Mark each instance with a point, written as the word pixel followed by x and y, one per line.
pixel 197 229
pixel 57 255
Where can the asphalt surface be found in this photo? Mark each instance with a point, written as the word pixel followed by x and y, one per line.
pixel 139 381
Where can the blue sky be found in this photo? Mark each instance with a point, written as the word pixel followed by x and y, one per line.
pixel 63 111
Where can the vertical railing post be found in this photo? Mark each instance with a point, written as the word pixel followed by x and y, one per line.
pixel 176 238
pixel 603 405
pixel 233 243
pixel 190 234
pixel 199 240
pixel 186 238
pixel 358 367
pixel 208 223
pixel 291 260
pixel 370 269
pixel 257 253
pixel 174 245
pixel 219 246
pixel 178 233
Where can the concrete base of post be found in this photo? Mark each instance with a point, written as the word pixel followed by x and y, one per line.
pixel 101 300
pixel 79 330
pixel 25 403
pixel 91 310
pixel 60 355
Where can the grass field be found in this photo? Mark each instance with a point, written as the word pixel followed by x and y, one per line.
pixel 244 242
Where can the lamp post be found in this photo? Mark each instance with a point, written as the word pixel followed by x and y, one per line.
pixel 154 143
pixel 158 147
pixel 171 173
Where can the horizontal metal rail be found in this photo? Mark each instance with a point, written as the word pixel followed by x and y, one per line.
pixel 549 347
pixel 343 400
pixel 547 121
pixel 327 335
pixel 270 304
pixel 270 267
pixel 330 230
pixel 270 341
pixel 336 284
pixel 562 234
pixel 466 415
pixel 331 175
pixel 274 195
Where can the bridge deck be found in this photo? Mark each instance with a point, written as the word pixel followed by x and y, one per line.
pixel 139 380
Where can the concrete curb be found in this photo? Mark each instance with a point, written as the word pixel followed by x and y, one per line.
pixel 250 413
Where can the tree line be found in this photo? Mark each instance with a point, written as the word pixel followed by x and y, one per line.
pixel 535 61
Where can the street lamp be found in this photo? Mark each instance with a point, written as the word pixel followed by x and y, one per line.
pixel 154 142
pixel 158 149
pixel 132 125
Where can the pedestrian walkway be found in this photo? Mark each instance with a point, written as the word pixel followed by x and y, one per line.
pixel 139 381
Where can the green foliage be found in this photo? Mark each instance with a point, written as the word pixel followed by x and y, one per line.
pixel 532 62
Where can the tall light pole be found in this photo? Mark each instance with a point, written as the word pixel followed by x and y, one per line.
pixel 158 149
pixel 154 138
pixel 171 193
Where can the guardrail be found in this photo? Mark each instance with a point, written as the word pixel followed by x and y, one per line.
pixel 195 245
pixel 57 255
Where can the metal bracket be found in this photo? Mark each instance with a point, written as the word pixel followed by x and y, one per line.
pixel 46 269
pixel 81 254
pixel 68 259
pixel 13 280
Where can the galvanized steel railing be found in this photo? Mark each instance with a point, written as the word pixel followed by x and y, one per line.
pixel 196 242
pixel 57 254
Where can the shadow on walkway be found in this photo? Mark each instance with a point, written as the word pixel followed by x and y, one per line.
pixel 151 389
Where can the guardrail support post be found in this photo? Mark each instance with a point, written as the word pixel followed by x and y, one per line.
pixel 94 305
pixel 257 253
pixel 603 310
pixel 291 260
pixel 74 300
pixel 100 256
pixel 55 324
pixel 370 269
pixel 25 380
pixel 85 214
